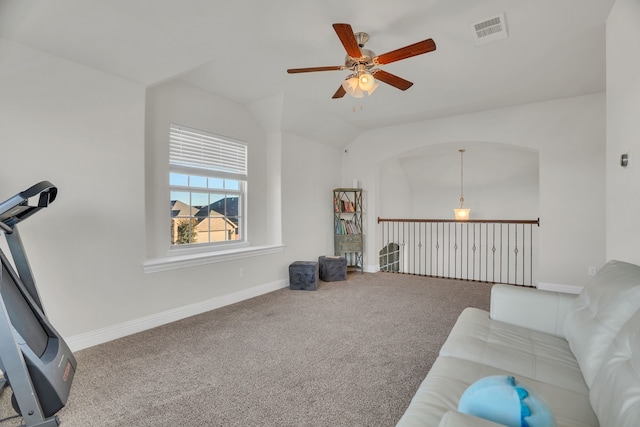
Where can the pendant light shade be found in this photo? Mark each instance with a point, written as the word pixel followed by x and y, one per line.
pixel 461 213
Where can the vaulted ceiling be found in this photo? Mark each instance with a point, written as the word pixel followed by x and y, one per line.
pixel 240 50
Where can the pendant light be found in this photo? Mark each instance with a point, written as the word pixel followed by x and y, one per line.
pixel 462 214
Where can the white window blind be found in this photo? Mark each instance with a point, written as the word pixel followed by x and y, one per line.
pixel 193 148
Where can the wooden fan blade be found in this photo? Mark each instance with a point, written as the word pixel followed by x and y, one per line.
pixel 312 69
pixel 339 93
pixel 415 49
pixel 392 79
pixel 348 39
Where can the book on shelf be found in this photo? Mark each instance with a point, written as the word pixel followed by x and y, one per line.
pixel 347 206
pixel 347 227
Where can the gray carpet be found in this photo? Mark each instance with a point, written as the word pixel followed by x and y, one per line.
pixel 351 353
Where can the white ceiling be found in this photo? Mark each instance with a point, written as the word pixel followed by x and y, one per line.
pixel 240 50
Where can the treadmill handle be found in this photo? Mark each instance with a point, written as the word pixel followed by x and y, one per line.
pixel 47 192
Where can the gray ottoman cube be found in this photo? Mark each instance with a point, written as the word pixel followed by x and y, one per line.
pixel 332 269
pixel 303 275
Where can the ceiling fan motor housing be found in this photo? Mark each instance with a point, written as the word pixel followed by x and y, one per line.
pixel 366 59
pixel 361 38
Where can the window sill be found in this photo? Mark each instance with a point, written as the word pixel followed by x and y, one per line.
pixel 192 260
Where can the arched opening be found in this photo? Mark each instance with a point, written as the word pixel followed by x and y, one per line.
pixel 501 182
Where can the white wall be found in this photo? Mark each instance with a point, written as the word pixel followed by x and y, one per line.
pixel 84 131
pixel 395 189
pixel 623 131
pixel 186 105
pixel 568 134
pixel 500 182
pixel 310 171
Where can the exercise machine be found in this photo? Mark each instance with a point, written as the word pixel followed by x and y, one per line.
pixel 36 362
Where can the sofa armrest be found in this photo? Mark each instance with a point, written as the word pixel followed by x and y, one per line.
pixel 531 308
pixel 457 419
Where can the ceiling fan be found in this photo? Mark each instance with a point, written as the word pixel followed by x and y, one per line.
pixel 363 62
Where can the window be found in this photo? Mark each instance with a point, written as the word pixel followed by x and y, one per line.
pixel 207 182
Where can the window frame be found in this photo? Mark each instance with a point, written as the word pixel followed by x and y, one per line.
pixel 221 158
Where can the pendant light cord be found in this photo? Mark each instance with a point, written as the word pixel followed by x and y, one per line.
pixel 461 178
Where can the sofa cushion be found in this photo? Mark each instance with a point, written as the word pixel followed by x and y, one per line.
pixel 532 308
pixel 449 377
pixel 615 393
pixel 458 419
pixel 606 303
pixel 518 350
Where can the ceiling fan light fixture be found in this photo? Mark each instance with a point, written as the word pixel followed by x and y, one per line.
pixel 366 81
pixel 351 86
pixel 373 88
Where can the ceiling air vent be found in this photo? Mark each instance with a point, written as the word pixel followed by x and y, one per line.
pixel 490 30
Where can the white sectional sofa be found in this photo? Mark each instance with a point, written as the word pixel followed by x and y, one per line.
pixel 581 353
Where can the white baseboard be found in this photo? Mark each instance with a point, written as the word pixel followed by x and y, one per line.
pixel 558 287
pixel 89 339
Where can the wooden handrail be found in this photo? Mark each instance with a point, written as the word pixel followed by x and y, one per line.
pixel 476 221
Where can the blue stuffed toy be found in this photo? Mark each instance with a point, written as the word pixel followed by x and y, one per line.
pixel 502 399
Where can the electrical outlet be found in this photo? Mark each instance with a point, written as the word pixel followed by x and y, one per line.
pixel 625 159
pixel 591 271
pixel 242 272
